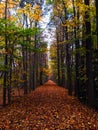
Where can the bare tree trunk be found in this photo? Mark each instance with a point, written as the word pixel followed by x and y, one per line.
pixel 35 62
pixel 68 56
pixel 97 20
pixel 58 59
pixel 6 57
pixel 90 85
pixel 77 56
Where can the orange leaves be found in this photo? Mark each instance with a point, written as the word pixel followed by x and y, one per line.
pixel 11 4
pixel 20 11
pixel 70 23
pixel 34 13
pixel 36 7
pixel 2 6
pixel 12 18
pixel 48 108
pixel 68 4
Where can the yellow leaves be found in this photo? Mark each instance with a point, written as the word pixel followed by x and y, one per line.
pixel 36 7
pixel 68 4
pixel 55 12
pixel 34 13
pixel 46 71
pixel 59 7
pixel 1 14
pixel 71 23
pixel 3 51
pixel 35 17
pixel 28 6
pixel 20 11
pixel 11 4
pixel 2 6
pixel 12 18
pixel 83 8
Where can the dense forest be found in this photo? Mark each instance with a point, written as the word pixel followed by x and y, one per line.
pixel 27 60
pixel 75 52
pixel 23 51
pixel 48 64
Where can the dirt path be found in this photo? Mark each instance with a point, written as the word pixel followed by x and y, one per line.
pixel 48 108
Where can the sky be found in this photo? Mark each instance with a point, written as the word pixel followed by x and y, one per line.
pixel 49 30
pixel 48 33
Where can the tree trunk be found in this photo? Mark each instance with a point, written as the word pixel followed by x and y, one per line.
pixel 10 73
pixel 6 58
pixel 58 59
pixel 62 66
pixel 97 20
pixel 90 85
pixel 35 62
pixel 77 56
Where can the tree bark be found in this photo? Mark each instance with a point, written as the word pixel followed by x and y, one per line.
pixel 58 59
pixel 77 56
pixel 6 57
pixel 90 85
pixel 96 1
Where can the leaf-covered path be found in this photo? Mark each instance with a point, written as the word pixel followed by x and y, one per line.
pixel 48 108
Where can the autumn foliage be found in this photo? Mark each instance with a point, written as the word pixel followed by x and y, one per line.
pixel 48 108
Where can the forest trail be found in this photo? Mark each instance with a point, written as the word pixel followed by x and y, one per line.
pixel 48 108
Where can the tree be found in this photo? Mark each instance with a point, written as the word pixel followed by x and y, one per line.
pixel 6 57
pixel 19 48
pixel 96 2
pixel 89 45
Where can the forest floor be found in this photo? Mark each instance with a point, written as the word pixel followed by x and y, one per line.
pixel 16 92
pixel 48 108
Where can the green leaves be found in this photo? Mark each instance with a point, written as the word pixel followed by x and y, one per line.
pixel 49 1
pixel 12 29
pixel 28 31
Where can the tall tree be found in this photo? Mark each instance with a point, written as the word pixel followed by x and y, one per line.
pixel 96 1
pixel 68 53
pixel 77 46
pixel 6 56
pixel 89 45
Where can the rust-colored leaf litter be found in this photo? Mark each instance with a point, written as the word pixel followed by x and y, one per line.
pixel 48 108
